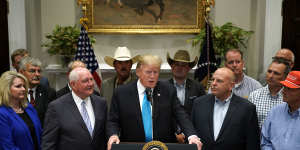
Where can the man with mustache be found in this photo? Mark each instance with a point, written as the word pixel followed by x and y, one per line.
pixel 145 110
pixel 38 95
pixel 122 62
pixel 244 84
pixel 271 95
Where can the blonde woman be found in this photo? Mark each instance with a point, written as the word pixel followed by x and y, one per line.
pixel 20 127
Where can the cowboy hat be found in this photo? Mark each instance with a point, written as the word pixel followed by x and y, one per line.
pixel 121 54
pixel 182 56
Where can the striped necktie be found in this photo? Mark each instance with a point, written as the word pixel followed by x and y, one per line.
pixel 86 117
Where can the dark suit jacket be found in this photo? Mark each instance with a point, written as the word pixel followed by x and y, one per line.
pixel 239 130
pixel 65 129
pixel 125 117
pixel 43 96
pixel 66 90
pixel 193 89
pixel 14 132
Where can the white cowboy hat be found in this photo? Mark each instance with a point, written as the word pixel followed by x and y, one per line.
pixel 121 54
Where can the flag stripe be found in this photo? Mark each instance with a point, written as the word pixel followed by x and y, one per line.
pixel 85 53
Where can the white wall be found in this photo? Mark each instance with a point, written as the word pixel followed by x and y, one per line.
pixel 17 26
pixel 273 30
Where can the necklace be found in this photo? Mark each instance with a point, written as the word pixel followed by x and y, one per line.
pixel 19 110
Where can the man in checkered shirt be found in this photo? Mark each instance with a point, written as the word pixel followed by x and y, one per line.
pixel 267 97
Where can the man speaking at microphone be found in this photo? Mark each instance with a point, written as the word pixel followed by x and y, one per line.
pixel 136 116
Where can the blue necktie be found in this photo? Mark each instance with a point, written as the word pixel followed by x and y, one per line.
pixel 86 118
pixel 147 119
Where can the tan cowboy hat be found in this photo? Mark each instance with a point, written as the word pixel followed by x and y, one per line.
pixel 121 54
pixel 182 56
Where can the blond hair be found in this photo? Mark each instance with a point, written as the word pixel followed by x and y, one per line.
pixel 6 81
pixel 149 60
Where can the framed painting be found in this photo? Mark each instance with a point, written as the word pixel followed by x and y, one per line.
pixel 145 16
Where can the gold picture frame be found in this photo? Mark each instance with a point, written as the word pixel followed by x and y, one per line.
pixel 179 17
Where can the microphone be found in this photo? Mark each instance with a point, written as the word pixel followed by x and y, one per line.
pixel 149 94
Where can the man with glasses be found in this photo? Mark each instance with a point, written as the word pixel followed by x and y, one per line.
pixel 187 89
pixel 17 56
pixel 38 95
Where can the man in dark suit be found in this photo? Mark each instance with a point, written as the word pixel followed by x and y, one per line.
pixel 38 95
pixel 67 89
pixel 139 117
pixel 223 120
pixel 76 121
pixel 187 89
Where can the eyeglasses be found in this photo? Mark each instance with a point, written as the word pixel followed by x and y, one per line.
pixel 32 71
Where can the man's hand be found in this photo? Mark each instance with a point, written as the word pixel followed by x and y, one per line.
pixel 112 139
pixel 180 138
pixel 195 140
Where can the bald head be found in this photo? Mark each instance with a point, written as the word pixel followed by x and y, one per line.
pixel 286 54
pixel 222 83
pixel 228 73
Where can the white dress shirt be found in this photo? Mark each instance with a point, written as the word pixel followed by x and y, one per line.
pixel 141 90
pixel 28 95
pixel 88 105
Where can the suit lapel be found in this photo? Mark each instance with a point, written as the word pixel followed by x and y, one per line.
pixel 211 116
pixel 97 114
pixel 229 114
pixel 136 100
pixel 76 113
pixel 38 94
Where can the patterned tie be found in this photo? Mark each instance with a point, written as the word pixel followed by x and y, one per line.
pixel 32 100
pixel 147 120
pixel 86 118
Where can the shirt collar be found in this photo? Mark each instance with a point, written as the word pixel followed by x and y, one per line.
pixel 269 93
pixel 237 85
pixel 78 100
pixel 296 113
pixel 179 85
pixel 126 81
pixel 33 89
pixel 140 86
pixel 225 101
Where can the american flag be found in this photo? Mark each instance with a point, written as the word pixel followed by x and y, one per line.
pixel 207 63
pixel 85 53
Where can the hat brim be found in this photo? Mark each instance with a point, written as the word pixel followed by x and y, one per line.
pixel 110 60
pixel 289 84
pixel 191 63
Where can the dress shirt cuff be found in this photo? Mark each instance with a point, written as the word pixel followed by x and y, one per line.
pixel 191 136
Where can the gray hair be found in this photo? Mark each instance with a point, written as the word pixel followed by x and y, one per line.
pixel 74 74
pixel 29 60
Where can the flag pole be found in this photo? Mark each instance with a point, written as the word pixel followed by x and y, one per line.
pixel 207 4
pixel 84 20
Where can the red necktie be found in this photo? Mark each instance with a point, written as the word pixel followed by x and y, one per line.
pixel 32 101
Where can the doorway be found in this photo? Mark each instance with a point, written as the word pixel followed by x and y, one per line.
pixel 291 28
